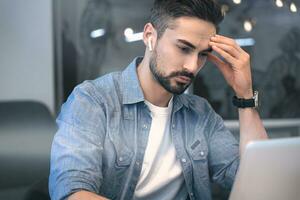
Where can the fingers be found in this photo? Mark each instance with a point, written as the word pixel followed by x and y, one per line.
pixel 216 60
pixel 230 51
pixel 227 56
pixel 236 64
pixel 228 41
pixel 222 66
pixel 227 48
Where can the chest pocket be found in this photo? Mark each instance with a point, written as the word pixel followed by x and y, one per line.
pixel 123 156
pixel 119 137
pixel 119 170
pixel 198 152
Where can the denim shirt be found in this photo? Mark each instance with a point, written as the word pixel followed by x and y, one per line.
pixel 103 133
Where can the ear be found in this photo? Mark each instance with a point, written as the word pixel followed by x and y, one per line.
pixel 149 36
pixel 150 43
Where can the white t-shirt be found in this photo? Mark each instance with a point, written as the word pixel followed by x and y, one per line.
pixel 161 176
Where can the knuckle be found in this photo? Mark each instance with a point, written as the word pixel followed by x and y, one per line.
pixel 239 63
pixel 227 57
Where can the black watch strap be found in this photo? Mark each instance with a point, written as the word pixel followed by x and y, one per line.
pixel 246 103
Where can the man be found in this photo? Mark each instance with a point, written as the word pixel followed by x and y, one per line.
pixel 134 135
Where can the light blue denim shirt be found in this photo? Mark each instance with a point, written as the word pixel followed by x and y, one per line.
pixel 103 133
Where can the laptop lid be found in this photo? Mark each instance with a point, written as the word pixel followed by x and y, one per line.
pixel 269 170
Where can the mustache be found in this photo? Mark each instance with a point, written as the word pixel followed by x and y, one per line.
pixel 182 73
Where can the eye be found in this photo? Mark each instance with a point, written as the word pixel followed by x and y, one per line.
pixel 203 54
pixel 184 50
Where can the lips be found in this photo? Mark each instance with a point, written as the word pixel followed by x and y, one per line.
pixel 183 79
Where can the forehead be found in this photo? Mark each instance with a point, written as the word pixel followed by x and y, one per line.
pixel 191 29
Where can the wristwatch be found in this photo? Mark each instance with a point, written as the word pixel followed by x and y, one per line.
pixel 246 103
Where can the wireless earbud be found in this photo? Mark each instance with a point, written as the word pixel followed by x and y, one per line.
pixel 150 44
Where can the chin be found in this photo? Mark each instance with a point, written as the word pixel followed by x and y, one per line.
pixel 178 90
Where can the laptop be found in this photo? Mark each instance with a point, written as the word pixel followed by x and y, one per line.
pixel 269 170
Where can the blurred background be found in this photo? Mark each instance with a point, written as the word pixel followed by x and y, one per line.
pixel 48 47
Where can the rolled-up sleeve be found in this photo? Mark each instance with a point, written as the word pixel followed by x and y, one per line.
pixel 224 152
pixel 76 154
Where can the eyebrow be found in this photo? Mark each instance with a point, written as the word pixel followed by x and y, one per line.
pixel 187 43
pixel 193 46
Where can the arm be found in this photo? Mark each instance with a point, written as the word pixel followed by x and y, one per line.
pixel 251 127
pixel 76 154
pixel 237 72
pixel 223 152
pixel 85 195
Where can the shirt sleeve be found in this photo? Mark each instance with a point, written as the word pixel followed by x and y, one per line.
pixel 76 154
pixel 224 152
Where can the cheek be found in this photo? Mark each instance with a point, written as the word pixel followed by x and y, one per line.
pixel 169 58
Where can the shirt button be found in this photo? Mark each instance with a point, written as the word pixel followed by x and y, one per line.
pixel 145 126
pixel 202 153
pixel 121 159
pixel 183 160
pixel 173 126
pixel 137 163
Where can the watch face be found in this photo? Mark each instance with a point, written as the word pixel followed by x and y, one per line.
pixel 256 99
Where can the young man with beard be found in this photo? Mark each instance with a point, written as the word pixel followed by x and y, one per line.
pixel 135 135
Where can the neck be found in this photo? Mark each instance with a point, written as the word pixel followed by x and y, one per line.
pixel 153 91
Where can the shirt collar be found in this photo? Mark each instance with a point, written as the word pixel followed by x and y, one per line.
pixel 132 91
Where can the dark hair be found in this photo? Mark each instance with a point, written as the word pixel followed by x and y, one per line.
pixel 164 11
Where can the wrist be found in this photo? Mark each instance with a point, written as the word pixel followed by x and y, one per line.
pixel 245 95
pixel 248 102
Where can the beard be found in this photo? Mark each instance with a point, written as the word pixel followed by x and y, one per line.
pixel 165 81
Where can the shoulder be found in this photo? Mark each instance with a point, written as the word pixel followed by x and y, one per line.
pixel 93 96
pixel 101 89
pixel 90 100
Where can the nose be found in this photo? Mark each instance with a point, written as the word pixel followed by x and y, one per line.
pixel 194 63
